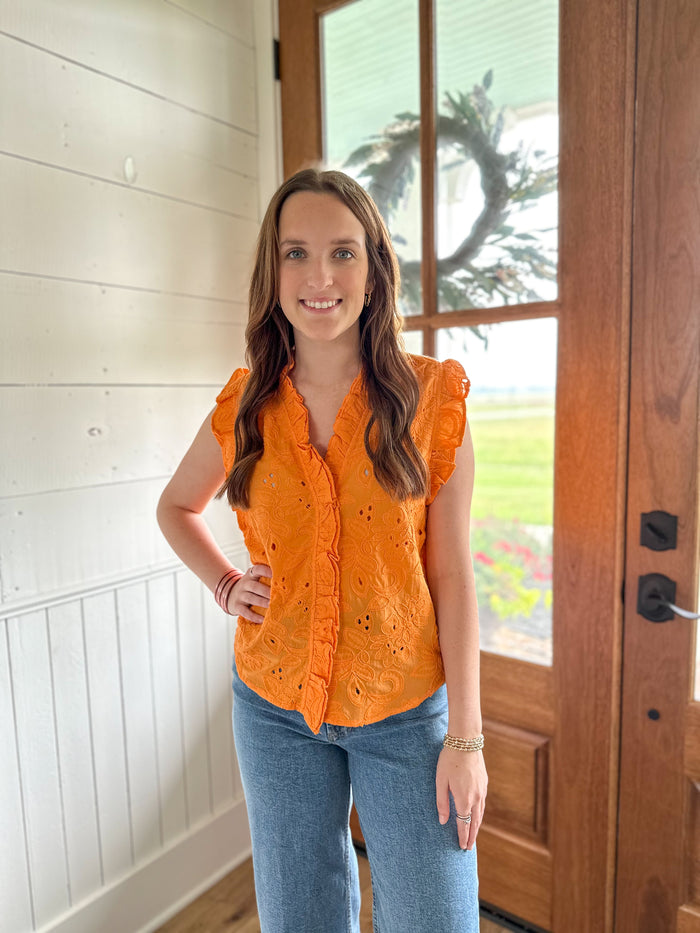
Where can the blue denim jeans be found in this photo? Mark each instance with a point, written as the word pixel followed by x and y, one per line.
pixel 299 788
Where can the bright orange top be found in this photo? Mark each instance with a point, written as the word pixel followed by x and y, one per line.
pixel 350 635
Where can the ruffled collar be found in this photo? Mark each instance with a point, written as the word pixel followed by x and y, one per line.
pixel 351 415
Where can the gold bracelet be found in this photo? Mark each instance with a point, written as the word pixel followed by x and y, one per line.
pixel 464 745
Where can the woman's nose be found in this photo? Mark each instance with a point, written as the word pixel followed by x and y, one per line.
pixel 319 274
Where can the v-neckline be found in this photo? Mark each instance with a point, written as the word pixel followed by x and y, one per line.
pixel 344 424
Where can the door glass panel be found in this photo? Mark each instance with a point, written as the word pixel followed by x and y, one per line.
pixel 498 144
pixel 512 368
pixel 371 110
pixel 413 341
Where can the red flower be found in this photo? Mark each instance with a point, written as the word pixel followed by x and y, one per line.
pixel 484 558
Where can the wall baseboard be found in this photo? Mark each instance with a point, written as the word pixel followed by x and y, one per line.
pixel 157 890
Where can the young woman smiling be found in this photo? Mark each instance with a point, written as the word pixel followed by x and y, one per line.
pixel 356 676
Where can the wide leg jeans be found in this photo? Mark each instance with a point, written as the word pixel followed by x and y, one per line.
pixel 299 788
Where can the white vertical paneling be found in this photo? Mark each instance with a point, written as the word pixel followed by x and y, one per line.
pixel 162 627
pixel 109 753
pixel 36 740
pixel 135 152
pixel 218 664
pixel 146 898
pixel 235 772
pixel 15 893
pixel 194 699
pixel 75 752
pixel 137 699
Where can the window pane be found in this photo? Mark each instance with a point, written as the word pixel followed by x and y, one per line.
pixel 512 368
pixel 413 341
pixel 371 108
pixel 498 147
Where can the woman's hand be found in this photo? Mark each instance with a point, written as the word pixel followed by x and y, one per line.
pixel 251 593
pixel 462 774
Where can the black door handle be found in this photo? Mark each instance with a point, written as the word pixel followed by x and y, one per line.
pixel 655 599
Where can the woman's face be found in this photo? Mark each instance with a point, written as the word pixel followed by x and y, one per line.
pixel 323 266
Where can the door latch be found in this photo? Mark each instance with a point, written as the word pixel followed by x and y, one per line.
pixel 656 596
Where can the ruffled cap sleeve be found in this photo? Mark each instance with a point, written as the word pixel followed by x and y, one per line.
pixel 223 418
pixel 450 422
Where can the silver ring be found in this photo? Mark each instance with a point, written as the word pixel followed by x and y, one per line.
pixel 464 819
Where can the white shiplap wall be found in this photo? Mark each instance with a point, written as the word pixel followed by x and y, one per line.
pixel 138 141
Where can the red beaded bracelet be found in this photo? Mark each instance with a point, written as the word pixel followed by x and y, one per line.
pixel 224 587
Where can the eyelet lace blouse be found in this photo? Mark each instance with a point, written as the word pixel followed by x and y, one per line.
pixel 350 635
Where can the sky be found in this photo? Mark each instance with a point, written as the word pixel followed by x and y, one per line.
pixel 520 355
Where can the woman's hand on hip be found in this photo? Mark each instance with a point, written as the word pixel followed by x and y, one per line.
pixel 251 593
pixel 463 775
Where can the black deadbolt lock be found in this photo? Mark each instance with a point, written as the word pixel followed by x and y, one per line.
pixel 658 531
pixel 654 590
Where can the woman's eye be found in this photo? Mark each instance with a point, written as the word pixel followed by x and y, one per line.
pixel 344 254
pixel 294 254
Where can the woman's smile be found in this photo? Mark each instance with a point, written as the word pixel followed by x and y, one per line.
pixel 321 304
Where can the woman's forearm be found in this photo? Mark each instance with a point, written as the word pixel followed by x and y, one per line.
pixel 180 508
pixel 189 536
pixel 458 626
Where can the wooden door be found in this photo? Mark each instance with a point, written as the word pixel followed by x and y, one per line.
pixel 658 880
pixel 547 848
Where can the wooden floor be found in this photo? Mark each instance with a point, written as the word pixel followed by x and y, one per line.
pixel 229 907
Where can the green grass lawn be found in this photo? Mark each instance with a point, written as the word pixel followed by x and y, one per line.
pixel 514 459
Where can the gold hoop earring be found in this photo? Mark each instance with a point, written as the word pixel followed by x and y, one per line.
pixel 368 298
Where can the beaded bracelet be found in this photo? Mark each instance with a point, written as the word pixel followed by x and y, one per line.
pixel 224 587
pixel 464 745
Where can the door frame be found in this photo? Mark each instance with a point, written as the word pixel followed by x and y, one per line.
pixel 565 884
pixel 658 878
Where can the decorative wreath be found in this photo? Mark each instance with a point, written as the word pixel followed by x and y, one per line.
pixel 468 130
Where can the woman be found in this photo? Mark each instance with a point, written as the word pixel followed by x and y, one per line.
pixel 350 467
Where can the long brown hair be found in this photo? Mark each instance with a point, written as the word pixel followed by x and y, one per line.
pixel 391 385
